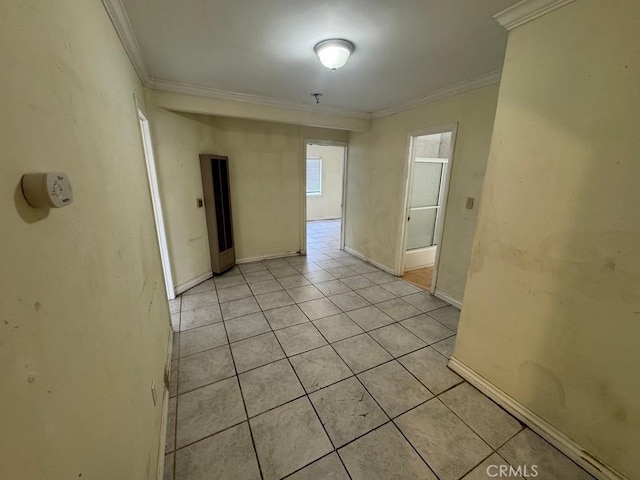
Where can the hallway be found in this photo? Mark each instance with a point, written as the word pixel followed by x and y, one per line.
pixel 325 367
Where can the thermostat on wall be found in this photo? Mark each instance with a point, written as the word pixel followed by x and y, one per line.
pixel 47 190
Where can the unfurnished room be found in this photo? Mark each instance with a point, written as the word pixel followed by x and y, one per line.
pixel 336 240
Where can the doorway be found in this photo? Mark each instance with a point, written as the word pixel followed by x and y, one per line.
pixel 325 167
pixel 156 203
pixel 429 167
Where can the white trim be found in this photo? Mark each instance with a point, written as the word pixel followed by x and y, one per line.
pixel 121 23
pixel 363 257
pixel 165 409
pixel 324 143
pixel 448 298
pixel 156 201
pixel 240 261
pixel 184 286
pixel 401 244
pixel 189 89
pixel 551 434
pixel 455 89
pixel 527 10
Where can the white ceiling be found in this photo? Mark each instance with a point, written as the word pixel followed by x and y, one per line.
pixel 404 48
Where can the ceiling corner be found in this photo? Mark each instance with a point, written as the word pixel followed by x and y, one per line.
pixel 526 11
pixel 120 20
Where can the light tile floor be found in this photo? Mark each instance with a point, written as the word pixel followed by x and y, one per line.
pixel 324 367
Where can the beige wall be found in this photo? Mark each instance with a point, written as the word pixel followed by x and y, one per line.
pixel 85 321
pixel 376 181
pixel 551 308
pixel 265 161
pixel 329 204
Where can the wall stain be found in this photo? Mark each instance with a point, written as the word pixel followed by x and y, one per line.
pixel 549 385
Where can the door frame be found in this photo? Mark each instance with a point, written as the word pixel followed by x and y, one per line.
pixel 439 230
pixel 156 202
pixel 303 178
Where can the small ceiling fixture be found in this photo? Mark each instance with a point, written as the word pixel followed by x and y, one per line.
pixel 334 52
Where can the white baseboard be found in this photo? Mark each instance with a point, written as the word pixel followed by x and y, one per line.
pixel 448 298
pixel 266 257
pixel 363 257
pixel 539 425
pixel 184 286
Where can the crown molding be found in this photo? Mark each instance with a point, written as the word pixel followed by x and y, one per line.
pixel 461 87
pixel 120 20
pixel 188 89
pixel 527 10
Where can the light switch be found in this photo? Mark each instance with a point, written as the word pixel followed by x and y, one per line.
pixel 469 204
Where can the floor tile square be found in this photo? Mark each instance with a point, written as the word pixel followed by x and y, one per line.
pixel 448 316
pixel 229 454
pixel 318 276
pixel 269 301
pixel 293 281
pixel 231 281
pixel 175 322
pixel 168 467
pixel 449 447
pixel 347 411
pixel 208 410
pixel 364 268
pixel 202 338
pixel 234 293
pixel 396 339
pixel 205 286
pixel 431 369
pixel 319 308
pixel 283 271
pixel 199 317
pixel 427 329
pixel 173 379
pixel 269 386
pixel 375 294
pixel 369 318
pixel 337 327
pixel 305 293
pixel 395 389
pixel 398 309
pixel 197 300
pixel 258 276
pixel 265 286
pixel 348 301
pixel 300 338
pixel 327 468
pixel 326 264
pixel 486 418
pixel 527 448
pixel 275 263
pixel 384 454
pixel 400 288
pixel 361 352
pixel 174 305
pixel 332 287
pixel 205 368
pixel 284 317
pixel 341 272
pixel 288 438
pixel 247 326
pixel 256 351
pixel 380 277
pixel 357 282
pixel 308 268
pixel 446 346
pixel 239 308
pixel 424 302
pixel 480 472
pixel 251 267
pixel 319 368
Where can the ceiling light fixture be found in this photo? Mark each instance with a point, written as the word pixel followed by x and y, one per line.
pixel 334 53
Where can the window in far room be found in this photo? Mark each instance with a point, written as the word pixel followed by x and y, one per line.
pixel 314 176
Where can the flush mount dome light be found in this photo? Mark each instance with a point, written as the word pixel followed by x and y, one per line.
pixel 334 53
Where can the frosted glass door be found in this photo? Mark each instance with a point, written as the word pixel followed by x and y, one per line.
pixel 426 191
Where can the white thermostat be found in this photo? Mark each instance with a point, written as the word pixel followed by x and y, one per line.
pixel 47 190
